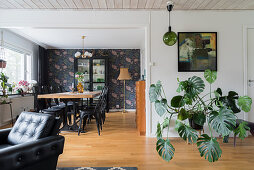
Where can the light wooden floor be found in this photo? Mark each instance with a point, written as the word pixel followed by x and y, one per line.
pixel 120 145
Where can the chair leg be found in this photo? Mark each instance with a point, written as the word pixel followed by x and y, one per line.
pixel 80 124
pixel 84 122
pixel 234 140
pixel 69 118
pixel 98 127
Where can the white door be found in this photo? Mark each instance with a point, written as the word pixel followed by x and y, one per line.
pixel 250 74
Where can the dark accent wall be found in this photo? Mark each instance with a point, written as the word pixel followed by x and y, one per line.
pixel 61 71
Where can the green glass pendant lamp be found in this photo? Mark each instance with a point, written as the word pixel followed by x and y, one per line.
pixel 170 37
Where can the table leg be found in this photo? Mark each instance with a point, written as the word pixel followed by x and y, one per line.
pixel 11 115
pixel 65 127
pixel 75 126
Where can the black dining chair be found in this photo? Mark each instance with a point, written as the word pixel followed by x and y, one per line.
pixel 56 110
pixel 98 112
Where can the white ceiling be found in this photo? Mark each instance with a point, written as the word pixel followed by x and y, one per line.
pixel 96 38
pixel 127 4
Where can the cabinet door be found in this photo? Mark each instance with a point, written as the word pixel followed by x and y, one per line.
pixel 99 74
pixel 84 67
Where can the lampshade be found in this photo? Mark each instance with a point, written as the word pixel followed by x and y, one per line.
pixel 170 38
pixel 124 74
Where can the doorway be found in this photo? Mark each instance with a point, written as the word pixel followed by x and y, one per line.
pixel 250 68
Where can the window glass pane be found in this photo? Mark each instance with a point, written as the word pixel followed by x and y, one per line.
pixel 15 66
pixel 28 67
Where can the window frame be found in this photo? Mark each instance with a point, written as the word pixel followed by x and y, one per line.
pixel 25 53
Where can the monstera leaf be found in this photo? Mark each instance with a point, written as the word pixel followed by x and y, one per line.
pixel 183 114
pixel 194 87
pixel 228 101
pixel 177 101
pixel 187 133
pixel 160 106
pixel 241 130
pixel 155 91
pixel 165 149
pixel 178 124
pixel 244 102
pixel 209 148
pixel 199 118
pixel 210 76
pixel 223 121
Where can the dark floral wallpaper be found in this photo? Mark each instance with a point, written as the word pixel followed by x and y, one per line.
pixel 61 71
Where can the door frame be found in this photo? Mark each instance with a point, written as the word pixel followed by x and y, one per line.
pixel 245 63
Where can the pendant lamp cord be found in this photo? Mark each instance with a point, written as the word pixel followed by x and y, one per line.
pixel 169 28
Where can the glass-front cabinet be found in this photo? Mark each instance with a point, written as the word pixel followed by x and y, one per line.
pixel 94 70
pixel 99 74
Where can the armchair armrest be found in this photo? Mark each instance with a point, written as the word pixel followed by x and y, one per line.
pixel 31 153
pixel 3 135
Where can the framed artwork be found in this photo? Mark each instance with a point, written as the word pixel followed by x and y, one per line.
pixel 197 51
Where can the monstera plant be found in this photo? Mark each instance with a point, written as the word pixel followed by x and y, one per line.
pixel 216 110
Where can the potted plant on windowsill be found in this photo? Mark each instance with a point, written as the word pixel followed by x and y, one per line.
pixel 213 109
pixel 4 85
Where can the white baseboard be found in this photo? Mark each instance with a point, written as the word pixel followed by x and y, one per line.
pixel 120 110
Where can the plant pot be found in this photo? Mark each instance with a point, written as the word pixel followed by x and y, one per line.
pixel 4 92
pixel 194 125
pixel 2 63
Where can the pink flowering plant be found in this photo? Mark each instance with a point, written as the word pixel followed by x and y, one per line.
pixel 23 83
pixel 80 77
pixel 22 86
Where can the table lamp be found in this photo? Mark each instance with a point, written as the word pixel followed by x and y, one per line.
pixel 124 75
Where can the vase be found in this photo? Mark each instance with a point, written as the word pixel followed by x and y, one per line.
pixel 80 87
pixel 25 89
pixel 194 125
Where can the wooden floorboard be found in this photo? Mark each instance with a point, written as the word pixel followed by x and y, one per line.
pixel 120 145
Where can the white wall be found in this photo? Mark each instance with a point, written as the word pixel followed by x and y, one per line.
pixel 228 25
pixel 13 40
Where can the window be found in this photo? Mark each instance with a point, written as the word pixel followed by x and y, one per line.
pixel 18 66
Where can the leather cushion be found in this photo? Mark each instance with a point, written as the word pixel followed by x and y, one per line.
pixel 31 126
pixel 4 146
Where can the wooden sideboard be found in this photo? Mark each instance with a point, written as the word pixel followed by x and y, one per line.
pixel 141 107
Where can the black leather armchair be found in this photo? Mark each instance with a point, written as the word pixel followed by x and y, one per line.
pixel 32 144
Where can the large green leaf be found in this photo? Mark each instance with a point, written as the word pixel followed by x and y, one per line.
pixel 228 101
pixel 210 76
pixel 165 149
pixel 231 101
pixel 199 118
pixel 241 130
pixel 223 121
pixel 219 91
pixel 159 131
pixel 165 123
pixel 244 102
pixel 155 91
pixel 194 86
pixel 178 124
pixel 177 101
pixel 160 107
pixel 209 148
pixel 187 133
pixel 183 114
